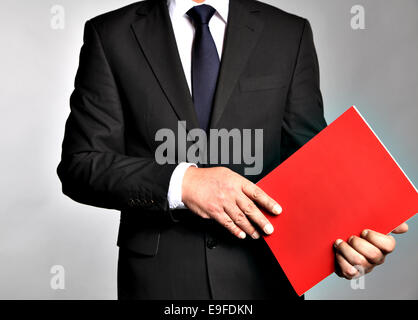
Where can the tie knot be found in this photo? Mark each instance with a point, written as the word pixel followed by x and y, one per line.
pixel 201 14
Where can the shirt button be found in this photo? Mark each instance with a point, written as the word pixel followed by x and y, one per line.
pixel 211 243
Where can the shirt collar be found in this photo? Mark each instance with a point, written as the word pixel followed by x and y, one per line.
pixel 180 7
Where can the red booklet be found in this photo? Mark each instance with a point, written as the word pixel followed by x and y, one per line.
pixel 342 181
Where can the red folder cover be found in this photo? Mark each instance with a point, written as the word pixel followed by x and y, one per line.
pixel 341 182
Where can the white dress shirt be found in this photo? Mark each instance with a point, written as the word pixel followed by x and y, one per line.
pixel 184 34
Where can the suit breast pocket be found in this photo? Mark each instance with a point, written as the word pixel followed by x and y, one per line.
pixel 267 82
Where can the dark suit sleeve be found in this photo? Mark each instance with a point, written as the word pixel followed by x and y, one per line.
pixel 304 114
pixel 94 167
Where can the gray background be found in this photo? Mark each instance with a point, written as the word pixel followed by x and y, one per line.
pixel 375 69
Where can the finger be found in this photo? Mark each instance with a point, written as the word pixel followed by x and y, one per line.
pixel 257 195
pixel 352 256
pixel 386 243
pixel 401 229
pixel 344 268
pixel 240 219
pixel 229 224
pixel 368 250
pixel 254 214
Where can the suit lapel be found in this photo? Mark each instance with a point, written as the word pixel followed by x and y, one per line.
pixel 243 30
pixel 155 36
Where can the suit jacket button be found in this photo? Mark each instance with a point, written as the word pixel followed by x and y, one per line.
pixel 211 243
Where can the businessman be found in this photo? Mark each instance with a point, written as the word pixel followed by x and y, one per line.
pixel 192 230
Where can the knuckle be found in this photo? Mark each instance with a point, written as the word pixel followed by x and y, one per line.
pixel 368 270
pixel 240 218
pixel 381 260
pixel 228 188
pixel 246 188
pixel 359 261
pixel 221 196
pixel 257 193
pixel 249 208
pixel 375 256
pixel 391 244
pixel 377 261
pixel 346 273
pixel 213 209
pixel 372 257
pixel 228 223
pixel 222 170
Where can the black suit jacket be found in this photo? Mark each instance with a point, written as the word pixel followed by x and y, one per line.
pixel 130 83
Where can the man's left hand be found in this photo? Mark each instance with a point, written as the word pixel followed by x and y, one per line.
pixel 366 251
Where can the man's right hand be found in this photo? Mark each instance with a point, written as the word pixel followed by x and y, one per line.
pixel 230 199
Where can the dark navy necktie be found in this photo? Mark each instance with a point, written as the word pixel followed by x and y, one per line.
pixel 205 63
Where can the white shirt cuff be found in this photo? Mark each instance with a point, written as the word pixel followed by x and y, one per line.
pixel 175 188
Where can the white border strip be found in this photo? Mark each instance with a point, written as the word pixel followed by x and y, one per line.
pixel 355 108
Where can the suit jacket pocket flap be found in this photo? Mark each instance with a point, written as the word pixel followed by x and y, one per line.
pixel 143 240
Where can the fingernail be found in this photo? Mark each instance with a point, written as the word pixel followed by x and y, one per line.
pixel 255 235
pixel 242 235
pixel 364 233
pixel 351 238
pixel 268 229
pixel 277 209
pixel 337 243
